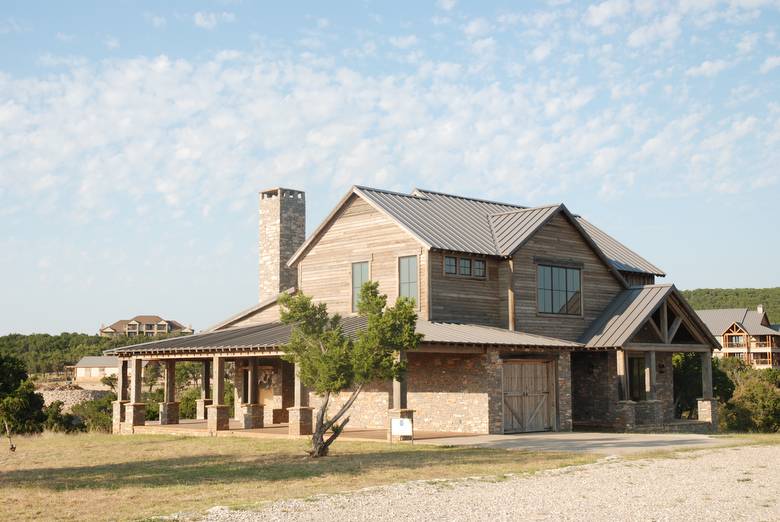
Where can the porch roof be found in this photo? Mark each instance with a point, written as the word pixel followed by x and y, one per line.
pixel 270 336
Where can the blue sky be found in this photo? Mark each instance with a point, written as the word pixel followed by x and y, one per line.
pixel 134 136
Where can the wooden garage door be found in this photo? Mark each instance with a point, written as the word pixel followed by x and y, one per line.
pixel 529 398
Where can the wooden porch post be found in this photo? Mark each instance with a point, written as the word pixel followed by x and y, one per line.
pixel 169 408
pixel 118 411
pixel 218 416
pixel 252 410
pixel 201 405
pixel 650 375
pixel 400 408
pixel 300 421
pixel 511 294
pixel 706 375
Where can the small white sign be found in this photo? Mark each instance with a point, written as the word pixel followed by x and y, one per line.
pixel 401 427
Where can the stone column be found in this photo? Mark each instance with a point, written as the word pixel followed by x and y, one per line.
pixel 300 422
pixel 205 392
pixel 707 405
pixel 135 410
pixel 400 409
pixel 622 375
pixel 169 408
pixel 238 390
pixel 252 410
pixel 118 416
pixel 218 415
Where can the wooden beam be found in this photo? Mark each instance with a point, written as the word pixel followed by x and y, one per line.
pixel 665 324
pixel 673 329
pixel 676 348
pixel 622 373
pixel 511 294
pixel 657 330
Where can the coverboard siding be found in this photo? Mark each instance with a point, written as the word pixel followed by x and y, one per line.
pixel 558 239
pixel 463 299
pixel 360 233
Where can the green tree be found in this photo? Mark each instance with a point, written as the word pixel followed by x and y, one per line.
pixel 151 375
pixel 687 382
pixel 12 373
pixel 22 410
pixel 329 361
pixel 755 405
pixel 110 381
pixel 96 414
pixel 58 421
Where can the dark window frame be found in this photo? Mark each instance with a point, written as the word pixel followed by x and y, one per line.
pixel 416 281
pixel 356 292
pixel 549 291
pixel 459 272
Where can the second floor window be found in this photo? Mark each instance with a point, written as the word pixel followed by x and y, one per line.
pixel 450 265
pixel 558 290
pixel 407 277
pixel 359 276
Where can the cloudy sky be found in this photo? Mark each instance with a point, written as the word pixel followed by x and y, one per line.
pixel 134 136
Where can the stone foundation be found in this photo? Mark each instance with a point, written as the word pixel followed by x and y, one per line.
pixel 218 418
pixel 169 413
pixel 118 416
pixel 708 412
pixel 300 422
pixel 252 416
pixel 135 414
pixel 201 408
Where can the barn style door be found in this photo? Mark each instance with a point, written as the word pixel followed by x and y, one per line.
pixel 529 400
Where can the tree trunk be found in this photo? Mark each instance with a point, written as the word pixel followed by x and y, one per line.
pixel 320 444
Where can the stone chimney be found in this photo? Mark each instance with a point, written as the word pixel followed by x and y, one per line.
pixel 282 232
pixel 760 309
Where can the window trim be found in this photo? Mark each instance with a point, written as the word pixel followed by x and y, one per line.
pixel 398 276
pixel 351 286
pixel 457 273
pixel 559 264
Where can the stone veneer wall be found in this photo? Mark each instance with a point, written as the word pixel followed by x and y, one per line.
pixel 448 392
pixel 282 231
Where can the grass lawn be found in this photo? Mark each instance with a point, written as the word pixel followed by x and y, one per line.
pixel 99 477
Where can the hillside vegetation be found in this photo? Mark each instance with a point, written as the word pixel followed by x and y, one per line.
pixel 709 298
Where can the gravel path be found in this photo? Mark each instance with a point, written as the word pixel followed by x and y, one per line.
pixel 726 484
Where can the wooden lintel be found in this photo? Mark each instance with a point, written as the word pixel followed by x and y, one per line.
pixel 676 348
pixel 432 348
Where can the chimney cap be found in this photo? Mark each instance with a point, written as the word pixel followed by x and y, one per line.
pixel 278 191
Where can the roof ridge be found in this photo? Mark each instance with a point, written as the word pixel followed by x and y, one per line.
pixel 424 191
pixel 525 209
pixel 385 191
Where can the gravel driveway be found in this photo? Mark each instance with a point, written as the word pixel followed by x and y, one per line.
pixel 735 483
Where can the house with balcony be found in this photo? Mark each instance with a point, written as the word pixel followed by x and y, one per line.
pixel 746 334
pixel 144 325
pixel 533 319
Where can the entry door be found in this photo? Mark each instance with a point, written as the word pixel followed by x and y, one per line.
pixel 529 401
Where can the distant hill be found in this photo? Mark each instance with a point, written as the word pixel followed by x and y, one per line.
pixel 708 298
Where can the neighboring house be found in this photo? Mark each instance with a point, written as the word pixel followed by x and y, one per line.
pixel 148 325
pixel 746 334
pixel 533 319
pixel 90 369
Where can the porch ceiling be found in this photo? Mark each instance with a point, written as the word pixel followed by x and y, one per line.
pixel 265 339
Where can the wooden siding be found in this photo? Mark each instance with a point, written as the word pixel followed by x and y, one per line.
pixel 638 278
pixel 266 315
pixel 559 240
pixel 358 233
pixel 464 299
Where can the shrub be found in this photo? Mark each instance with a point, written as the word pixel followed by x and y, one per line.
pixel 22 410
pixel 61 422
pixel 187 405
pixel 153 400
pixel 755 405
pixel 96 414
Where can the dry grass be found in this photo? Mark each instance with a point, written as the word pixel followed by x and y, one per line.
pixel 100 477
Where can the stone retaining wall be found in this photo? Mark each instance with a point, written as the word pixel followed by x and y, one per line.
pixel 71 397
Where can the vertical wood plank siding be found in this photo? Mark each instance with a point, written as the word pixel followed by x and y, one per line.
pixel 560 240
pixel 360 233
pixel 266 315
pixel 464 299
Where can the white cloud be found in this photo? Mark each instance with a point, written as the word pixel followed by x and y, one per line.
pixel 10 25
pixel 541 51
pixel 112 43
pixel 447 5
pixel 208 20
pixel 404 42
pixel 65 37
pixel 663 31
pixel 477 27
pixel 156 20
pixel 707 68
pixel 770 63
pixel 601 15
pixel 747 43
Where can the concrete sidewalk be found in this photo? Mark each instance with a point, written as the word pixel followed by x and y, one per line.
pixel 606 443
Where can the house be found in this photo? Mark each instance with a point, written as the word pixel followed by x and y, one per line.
pixel 88 372
pixel 534 319
pixel 148 325
pixel 746 334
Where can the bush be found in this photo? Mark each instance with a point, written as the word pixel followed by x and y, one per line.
pixel 22 410
pixel 153 400
pixel 187 403
pixel 61 422
pixel 755 406
pixel 96 415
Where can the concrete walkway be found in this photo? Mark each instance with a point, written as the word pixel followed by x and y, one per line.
pixel 606 443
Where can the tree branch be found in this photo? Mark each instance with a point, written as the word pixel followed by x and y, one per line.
pixel 345 407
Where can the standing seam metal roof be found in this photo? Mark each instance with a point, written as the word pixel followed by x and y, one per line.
pixel 718 321
pixel 275 334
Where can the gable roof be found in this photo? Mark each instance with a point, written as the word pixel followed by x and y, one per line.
pixel 249 311
pixel 629 310
pixel 274 334
pixel 718 321
pixel 460 224
pixel 98 361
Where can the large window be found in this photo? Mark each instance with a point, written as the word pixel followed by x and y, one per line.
pixel 359 276
pixel 558 290
pixel 407 277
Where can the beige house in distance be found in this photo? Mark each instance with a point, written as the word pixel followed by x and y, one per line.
pixel 746 334
pixel 533 319
pixel 148 325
